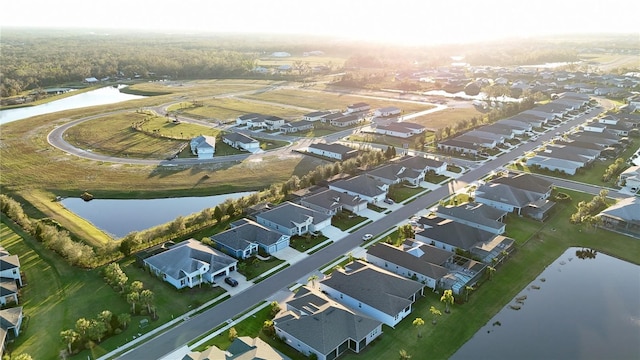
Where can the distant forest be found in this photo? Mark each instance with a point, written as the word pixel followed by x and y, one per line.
pixel 33 59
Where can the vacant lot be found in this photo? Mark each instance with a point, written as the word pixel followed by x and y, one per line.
pixel 228 109
pixel 446 117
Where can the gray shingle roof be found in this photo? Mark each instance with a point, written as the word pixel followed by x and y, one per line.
pixel 380 289
pixel 412 261
pixel 9 317
pixel 240 237
pixel 475 213
pixel 334 148
pixel 627 209
pixel 419 163
pixel 451 232
pixel 287 213
pixel 331 199
pixel 526 182
pixel 238 137
pixel 361 184
pixel 187 257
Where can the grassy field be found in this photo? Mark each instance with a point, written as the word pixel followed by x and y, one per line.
pixel 325 100
pixel 447 117
pixel 56 295
pixel 201 88
pixel 228 109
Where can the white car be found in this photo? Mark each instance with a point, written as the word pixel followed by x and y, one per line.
pixel 367 237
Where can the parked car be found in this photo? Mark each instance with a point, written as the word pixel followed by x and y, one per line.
pixel 367 237
pixel 389 201
pixel 231 281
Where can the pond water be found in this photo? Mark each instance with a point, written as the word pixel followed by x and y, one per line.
pixel 584 309
pixel 462 95
pixel 119 217
pixel 102 96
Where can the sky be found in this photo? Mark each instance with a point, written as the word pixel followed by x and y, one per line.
pixel 397 21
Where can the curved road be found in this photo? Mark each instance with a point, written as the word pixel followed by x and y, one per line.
pixel 198 325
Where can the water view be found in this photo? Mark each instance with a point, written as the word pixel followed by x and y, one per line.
pixel 102 96
pixel 119 217
pixel 578 308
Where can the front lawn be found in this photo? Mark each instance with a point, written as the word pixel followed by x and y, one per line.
pixel 253 267
pixel 346 220
pixel 434 178
pixel 306 242
pixel 400 193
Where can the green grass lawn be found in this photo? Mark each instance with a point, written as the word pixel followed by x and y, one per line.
pixel 252 267
pixel 447 117
pixel 304 243
pixel 390 140
pixel 227 109
pixel 400 193
pixel 435 178
pixel 346 220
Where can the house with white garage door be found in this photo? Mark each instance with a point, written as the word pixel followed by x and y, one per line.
pixel 241 141
pixel 293 219
pixel 204 146
pixel 363 186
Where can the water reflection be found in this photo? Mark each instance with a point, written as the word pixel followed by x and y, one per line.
pixel 573 310
pixel 120 217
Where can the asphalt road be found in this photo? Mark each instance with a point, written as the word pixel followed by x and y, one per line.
pixel 204 322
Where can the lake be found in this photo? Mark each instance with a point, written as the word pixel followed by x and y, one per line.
pixel 119 217
pixel 584 309
pixel 102 96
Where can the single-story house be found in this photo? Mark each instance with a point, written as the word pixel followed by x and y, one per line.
pixel 273 122
pixel 594 126
pixel 377 293
pixel 331 202
pixel 476 215
pixel 552 164
pixel 296 126
pixel 316 115
pixel 245 237
pixel 330 117
pixel 400 129
pixel 519 127
pixel 395 173
pixel 480 140
pixel 243 347
pixel 347 120
pixel 245 119
pixel 498 138
pixel 241 141
pixel 524 194
pixel 204 146
pixel 358 107
pixel 333 151
pixel 363 186
pixel 190 263
pixel 10 266
pixel 293 219
pixel 414 263
pixel 500 129
pixel 630 178
pixel 623 216
pixel 8 291
pixel 456 145
pixel 422 164
pixel 315 324
pixel 387 111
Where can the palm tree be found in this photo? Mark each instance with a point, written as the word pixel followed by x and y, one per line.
pixel 312 279
pixel 105 316
pixel 435 312
pixel 147 297
pixel 133 298
pixel 404 355
pixel 124 319
pixel 491 270
pixel 418 322
pixel 69 336
pixel 82 325
pixel 136 286
pixel 467 289
pixel 447 298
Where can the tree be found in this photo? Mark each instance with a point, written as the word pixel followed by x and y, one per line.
pixel 467 290
pixel 217 214
pixel 312 279
pixel 133 298
pixel 124 319
pixel 82 325
pixel 23 356
pixel 233 334
pixel 136 286
pixel 105 316
pixel 447 299
pixel 404 355
pixel 435 312
pixel 147 297
pixel 69 337
pixel 275 309
pixel 268 327
pixel 96 330
pixel 491 270
pixel 418 323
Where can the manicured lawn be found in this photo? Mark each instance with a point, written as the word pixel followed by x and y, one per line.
pixel 375 208
pixel 346 220
pixel 390 140
pixel 434 178
pixel 251 326
pixel 304 243
pixel 447 117
pixel 269 144
pixel 252 267
pixel 400 193
pixel 454 169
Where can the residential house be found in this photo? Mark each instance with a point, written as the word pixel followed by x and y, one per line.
pixel 293 219
pixel 241 141
pixel 363 186
pixel 330 117
pixel 536 119
pixel 481 141
pixel 420 263
pixel 333 151
pixel 477 215
pixel 297 126
pixel 498 138
pixel 500 129
pixel 347 120
pixel 555 164
pixel 245 237
pixel 422 164
pixel 523 194
pixel 594 127
pixel 10 323
pixel 400 129
pixel 190 263
pixel 630 178
pixel 204 146
pixel 395 173
pixel 247 119
pixel 8 291
pixel 387 111
pixel 519 127
pixel 315 324
pixel 358 107
pixel 463 147
pixel 624 216
pixel 331 202
pixel 316 115
pixel 375 292
pixel 241 348
pixel 273 122
pixel 10 266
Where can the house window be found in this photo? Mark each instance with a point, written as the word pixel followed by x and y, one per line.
pixel 360 305
pixel 340 296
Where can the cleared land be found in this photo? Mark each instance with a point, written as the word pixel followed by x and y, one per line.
pixel 228 109
pixel 446 117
